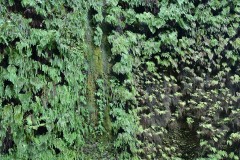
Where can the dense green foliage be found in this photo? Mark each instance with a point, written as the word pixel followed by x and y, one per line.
pixel 42 90
pixel 181 59
pixel 129 79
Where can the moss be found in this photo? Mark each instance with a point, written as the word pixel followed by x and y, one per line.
pixel 96 71
pixel 98 63
pixel 91 88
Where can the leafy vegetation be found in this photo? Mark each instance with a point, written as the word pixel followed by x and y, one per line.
pixel 125 79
